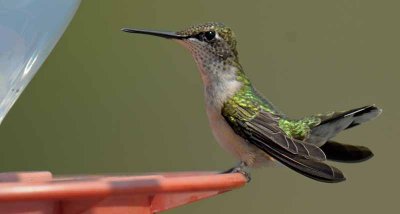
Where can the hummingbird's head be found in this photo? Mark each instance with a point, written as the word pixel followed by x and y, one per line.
pixel 213 46
pixel 208 43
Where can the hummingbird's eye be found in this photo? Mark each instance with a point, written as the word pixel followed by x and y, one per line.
pixel 209 35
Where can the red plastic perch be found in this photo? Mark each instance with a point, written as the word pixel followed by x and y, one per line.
pixel 39 193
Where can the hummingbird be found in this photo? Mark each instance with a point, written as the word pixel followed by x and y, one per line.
pixel 249 126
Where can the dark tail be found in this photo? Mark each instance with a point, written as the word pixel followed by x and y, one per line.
pixel 334 123
pixel 346 153
pixel 357 116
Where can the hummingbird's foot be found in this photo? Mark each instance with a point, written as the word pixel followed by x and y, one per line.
pixel 240 168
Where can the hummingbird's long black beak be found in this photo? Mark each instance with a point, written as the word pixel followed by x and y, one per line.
pixel 165 34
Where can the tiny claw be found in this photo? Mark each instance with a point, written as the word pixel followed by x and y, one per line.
pixel 244 173
pixel 239 169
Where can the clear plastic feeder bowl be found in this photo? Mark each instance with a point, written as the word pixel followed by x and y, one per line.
pixel 29 30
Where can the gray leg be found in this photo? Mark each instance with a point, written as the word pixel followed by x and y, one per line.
pixel 240 168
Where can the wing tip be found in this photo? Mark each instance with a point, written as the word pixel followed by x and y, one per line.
pixel 336 176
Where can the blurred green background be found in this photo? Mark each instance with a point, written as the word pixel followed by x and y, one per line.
pixel 109 102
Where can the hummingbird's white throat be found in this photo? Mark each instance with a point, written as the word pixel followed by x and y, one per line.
pixel 219 78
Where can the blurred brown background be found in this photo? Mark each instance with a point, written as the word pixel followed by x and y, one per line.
pixel 109 102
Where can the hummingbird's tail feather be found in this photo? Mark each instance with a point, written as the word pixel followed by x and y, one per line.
pixel 346 153
pixel 336 122
pixel 311 168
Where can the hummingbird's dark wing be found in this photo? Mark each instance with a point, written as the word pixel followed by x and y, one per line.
pixel 262 130
pixel 266 124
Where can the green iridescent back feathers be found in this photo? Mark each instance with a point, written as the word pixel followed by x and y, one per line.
pixel 249 100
